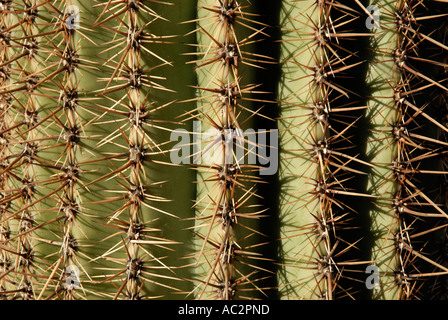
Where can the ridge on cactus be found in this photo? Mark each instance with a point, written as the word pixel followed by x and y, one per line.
pixel 223 149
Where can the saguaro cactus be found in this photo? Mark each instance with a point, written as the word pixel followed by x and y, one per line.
pixel 223 149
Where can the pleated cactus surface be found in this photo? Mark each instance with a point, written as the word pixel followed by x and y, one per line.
pixel 223 149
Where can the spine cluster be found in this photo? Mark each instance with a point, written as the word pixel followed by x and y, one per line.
pixel 131 62
pixel 405 252
pixel 42 137
pixel 5 101
pixel 226 201
pixel 21 142
pixel 91 206
pixel 315 102
pixel 443 113
pixel 66 120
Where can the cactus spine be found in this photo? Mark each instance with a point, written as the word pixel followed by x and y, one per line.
pixel 314 104
pixel 93 206
pixel 228 212
pixel 407 214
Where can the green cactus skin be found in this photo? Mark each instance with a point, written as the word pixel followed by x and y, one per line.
pixel 167 198
pixel 297 213
pixel 71 210
pixel 382 149
pixel 130 82
pixel 228 207
pixel 93 207
pixel 406 210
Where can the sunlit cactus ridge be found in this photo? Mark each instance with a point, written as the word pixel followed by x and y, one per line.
pixel 223 149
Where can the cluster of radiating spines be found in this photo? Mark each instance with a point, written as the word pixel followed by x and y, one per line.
pixel 331 162
pixel 5 53
pixel 21 141
pixel 227 191
pixel 443 102
pixel 128 89
pixel 39 119
pixel 440 284
pixel 416 206
pixel 62 78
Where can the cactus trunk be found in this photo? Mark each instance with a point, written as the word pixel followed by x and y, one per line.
pixel 223 149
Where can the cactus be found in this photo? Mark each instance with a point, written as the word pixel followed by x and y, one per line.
pixel 223 149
